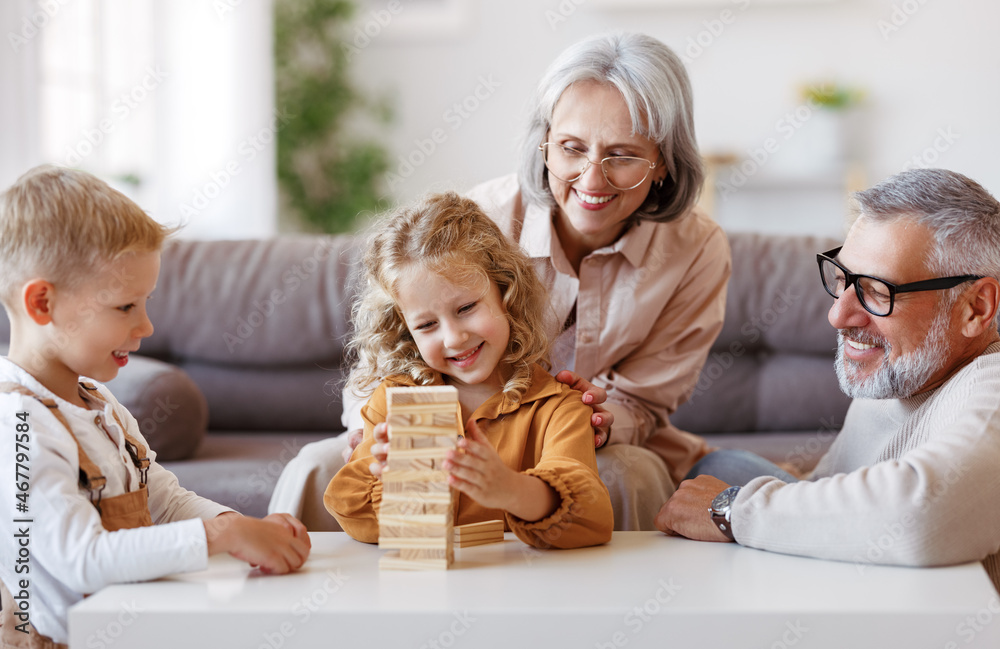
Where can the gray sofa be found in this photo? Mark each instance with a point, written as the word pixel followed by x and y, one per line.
pixel 245 365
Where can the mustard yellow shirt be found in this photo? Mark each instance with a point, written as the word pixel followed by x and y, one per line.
pixel 547 435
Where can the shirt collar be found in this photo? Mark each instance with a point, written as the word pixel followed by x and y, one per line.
pixel 12 371
pixel 539 240
pixel 543 385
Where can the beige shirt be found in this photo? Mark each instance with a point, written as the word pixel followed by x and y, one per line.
pixel 648 308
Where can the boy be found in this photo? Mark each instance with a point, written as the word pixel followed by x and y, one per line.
pixel 89 504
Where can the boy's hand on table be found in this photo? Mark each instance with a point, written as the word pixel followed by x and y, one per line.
pixel 593 396
pixel 276 544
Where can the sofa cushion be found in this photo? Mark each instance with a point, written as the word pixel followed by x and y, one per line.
pixel 771 368
pixel 172 412
pixel 267 303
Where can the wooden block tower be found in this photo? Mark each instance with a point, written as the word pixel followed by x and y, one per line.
pixel 416 514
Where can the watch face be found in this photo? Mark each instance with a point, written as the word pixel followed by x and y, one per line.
pixel 725 499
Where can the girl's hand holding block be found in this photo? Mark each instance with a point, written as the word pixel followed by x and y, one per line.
pixel 380 449
pixel 476 470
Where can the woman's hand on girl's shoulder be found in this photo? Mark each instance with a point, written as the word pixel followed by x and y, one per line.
pixel 593 396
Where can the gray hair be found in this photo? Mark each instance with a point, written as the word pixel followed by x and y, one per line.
pixel 656 89
pixel 963 217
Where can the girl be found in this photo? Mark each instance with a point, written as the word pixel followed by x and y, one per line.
pixel 447 299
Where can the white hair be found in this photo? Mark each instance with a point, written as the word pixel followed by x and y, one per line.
pixel 657 92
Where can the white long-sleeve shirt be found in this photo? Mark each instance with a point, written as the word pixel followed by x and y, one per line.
pixel 70 551
pixel 912 482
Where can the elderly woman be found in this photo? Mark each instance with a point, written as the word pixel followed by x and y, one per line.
pixel 604 205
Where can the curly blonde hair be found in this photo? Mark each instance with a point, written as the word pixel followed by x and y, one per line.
pixel 451 236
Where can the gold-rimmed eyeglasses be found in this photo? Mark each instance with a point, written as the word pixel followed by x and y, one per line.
pixel 621 171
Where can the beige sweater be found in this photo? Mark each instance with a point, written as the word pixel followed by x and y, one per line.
pixel 911 482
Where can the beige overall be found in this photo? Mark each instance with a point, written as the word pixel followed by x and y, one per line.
pixel 128 510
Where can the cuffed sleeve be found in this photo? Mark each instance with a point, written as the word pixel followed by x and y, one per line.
pixel 567 463
pixel 933 505
pixel 354 494
pixel 580 520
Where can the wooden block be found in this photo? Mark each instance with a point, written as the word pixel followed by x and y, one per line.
pixel 413 487
pixel 392 561
pixel 415 543
pixel 478 533
pixel 416 512
pixel 417 459
pixel 414 554
pixel 427 520
pixel 405 505
pixel 403 442
pixel 482 526
pixel 430 415
pixel 442 497
pixel 423 411
pixel 468 543
pixel 426 453
pixel 414 475
pixel 430 464
pixel 422 394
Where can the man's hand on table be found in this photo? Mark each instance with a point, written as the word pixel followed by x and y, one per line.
pixel 687 511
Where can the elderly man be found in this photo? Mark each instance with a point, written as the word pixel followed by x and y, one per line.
pixel 914 475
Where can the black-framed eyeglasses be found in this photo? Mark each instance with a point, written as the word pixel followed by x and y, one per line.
pixel 621 171
pixel 876 295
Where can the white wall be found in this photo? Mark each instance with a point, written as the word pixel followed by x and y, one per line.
pixel 19 134
pixel 937 73
pixel 176 93
pixel 215 126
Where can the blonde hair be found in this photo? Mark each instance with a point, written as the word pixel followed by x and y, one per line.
pixel 451 236
pixel 58 224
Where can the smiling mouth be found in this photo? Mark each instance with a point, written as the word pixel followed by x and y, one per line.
pixel 857 345
pixel 592 200
pixel 467 354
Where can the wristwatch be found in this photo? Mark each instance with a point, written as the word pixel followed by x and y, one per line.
pixel 722 511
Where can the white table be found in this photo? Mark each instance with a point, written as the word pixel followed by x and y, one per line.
pixel 642 590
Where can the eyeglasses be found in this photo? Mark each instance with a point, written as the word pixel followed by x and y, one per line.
pixel 621 171
pixel 876 295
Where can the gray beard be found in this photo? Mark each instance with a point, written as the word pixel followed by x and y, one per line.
pixel 899 379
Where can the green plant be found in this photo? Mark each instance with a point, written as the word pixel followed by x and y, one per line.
pixel 832 95
pixel 327 175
